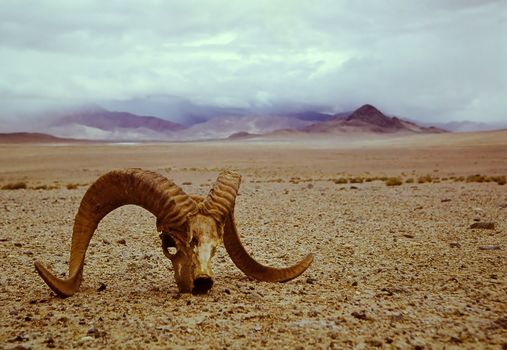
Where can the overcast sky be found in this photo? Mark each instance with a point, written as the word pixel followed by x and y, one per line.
pixel 432 60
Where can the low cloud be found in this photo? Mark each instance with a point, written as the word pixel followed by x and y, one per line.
pixel 430 60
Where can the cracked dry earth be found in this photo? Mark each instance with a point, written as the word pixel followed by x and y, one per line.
pixel 396 267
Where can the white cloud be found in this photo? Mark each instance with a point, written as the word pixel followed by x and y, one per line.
pixel 430 60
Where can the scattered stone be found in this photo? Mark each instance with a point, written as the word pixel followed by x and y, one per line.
pixel 503 206
pixel 310 280
pixel 4 239
pixel 455 245
pixel 50 342
pixel 21 347
pixel 375 343
pixel 353 187
pixel 408 235
pixel 361 315
pixel 19 337
pixel 490 247
pixel 445 200
pixel 483 225
pixel 85 339
pixel 396 317
pixel 501 322
pixel 102 287
pixel 19 245
pixel 121 241
pixel 257 328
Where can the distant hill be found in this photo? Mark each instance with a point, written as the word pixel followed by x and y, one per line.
pixel 97 123
pixel 103 119
pixel 367 118
pixel 30 137
pixel 225 126
pixel 468 126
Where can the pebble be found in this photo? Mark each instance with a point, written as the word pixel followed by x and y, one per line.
pixel 84 339
pixel 359 315
pixel 121 241
pixel 483 225
pixel 455 245
pixel 490 247
pixel 102 287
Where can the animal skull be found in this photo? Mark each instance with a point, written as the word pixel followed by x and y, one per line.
pixel 193 226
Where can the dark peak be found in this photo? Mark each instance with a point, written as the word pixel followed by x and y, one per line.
pixel 366 111
pixel 370 115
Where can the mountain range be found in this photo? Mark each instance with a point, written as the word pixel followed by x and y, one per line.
pixel 97 123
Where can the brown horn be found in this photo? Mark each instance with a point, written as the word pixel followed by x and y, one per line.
pixel 222 196
pixel 220 204
pixel 144 188
pixel 252 268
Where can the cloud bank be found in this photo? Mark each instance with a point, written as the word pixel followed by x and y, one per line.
pixel 429 60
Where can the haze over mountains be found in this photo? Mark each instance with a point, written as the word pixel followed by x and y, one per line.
pixel 97 123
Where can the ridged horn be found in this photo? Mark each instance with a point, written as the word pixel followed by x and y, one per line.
pixel 250 266
pixel 144 188
pixel 221 199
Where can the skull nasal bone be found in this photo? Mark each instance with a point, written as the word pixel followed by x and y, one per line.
pixel 202 285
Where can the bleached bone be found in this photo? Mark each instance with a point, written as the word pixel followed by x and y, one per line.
pixel 194 226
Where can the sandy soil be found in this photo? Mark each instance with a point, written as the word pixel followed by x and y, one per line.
pixel 396 267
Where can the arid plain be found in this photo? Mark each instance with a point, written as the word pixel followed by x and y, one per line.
pixel 396 266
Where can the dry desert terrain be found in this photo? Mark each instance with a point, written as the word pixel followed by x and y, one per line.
pixel 396 267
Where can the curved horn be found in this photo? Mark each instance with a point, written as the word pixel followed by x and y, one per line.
pixel 147 189
pixel 222 196
pixel 252 268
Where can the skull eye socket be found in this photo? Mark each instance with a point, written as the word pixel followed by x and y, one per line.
pixel 168 245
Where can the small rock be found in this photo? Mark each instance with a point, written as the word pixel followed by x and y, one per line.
pixel 20 337
pixel 257 328
pixel 375 343
pixel 353 187
pixel 85 339
pixel 50 342
pixel 121 241
pixel 21 347
pixel 359 315
pixel 92 330
pixel 102 287
pixel 445 200
pixel 310 280
pixel 455 245
pixel 501 322
pixel 490 247
pixel 17 244
pixel 483 225
pixel 408 235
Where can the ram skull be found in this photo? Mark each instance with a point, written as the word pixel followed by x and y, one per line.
pixel 192 226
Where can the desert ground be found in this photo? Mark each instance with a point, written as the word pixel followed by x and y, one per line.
pixel 396 267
